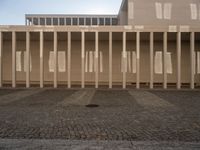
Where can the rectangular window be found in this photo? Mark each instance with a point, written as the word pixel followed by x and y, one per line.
pixel 86 61
pixel 199 11
pixel 129 61
pixel 91 61
pixel 35 21
pixel 68 21
pixel 198 62
pixel 114 21
pixel 48 21
pixel 134 62
pixel 163 10
pixel 55 21
pixel 194 10
pixel 159 11
pixel 94 21
pixel 107 21
pixel 88 21
pixel 51 61
pixel 158 63
pixel 81 21
pixel 123 64
pixel 101 61
pixel 62 21
pixel 25 60
pixel 101 21
pixel 18 61
pixel 42 21
pixel 169 63
pixel 75 21
pixel 61 61
pixel 131 10
pixel 167 10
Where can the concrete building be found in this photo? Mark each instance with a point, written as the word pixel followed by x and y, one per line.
pixel 150 43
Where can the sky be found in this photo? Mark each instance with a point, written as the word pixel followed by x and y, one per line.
pixel 12 12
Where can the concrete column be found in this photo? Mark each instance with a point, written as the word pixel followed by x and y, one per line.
pixel 69 60
pixel 96 59
pixel 27 59
pixel 192 59
pixel 58 21
pixel 31 21
pixel 45 21
pixel 84 21
pixel 164 60
pixel 124 61
pixel 82 59
pixel 26 21
pixel 52 21
pixel 39 23
pixel 13 59
pixel 55 60
pixel 138 60
pixel 151 59
pixel 65 21
pixel 1 50
pixel 78 21
pixel 41 59
pixel 178 60
pixel 110 60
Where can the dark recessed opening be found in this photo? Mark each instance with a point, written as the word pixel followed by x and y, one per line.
pixel 92 105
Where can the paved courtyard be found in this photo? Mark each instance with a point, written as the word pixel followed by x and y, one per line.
pixel 125 119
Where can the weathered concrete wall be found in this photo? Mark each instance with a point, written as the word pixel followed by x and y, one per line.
pixel 104 47
pixel 144 12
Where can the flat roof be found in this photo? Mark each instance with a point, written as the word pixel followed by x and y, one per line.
pixel 71 15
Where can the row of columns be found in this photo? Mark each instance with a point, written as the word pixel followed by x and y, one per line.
pixel 30 21
pixel 192 49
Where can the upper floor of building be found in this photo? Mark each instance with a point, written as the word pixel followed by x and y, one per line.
pixel 71 20
pixel 160 12
pixel 132 12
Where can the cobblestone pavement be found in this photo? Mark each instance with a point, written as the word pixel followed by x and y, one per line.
pixel 123 115
pixel 33 144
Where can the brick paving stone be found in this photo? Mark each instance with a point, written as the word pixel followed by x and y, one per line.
pixel 14 96
pixel 15 144
pixel 119 117
pixel 149 100
pixel 80 98
pixel 8 91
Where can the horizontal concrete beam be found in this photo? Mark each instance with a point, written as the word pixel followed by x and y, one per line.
pixel 96 28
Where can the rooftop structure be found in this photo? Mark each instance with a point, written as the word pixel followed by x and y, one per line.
pixel 72 20
pixel 132 12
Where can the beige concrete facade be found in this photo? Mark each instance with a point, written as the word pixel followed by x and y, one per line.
pixel 128 54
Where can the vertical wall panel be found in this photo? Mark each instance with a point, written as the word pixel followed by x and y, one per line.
pixel 13 59
pixel 41 59
pixel 110 59
pixel 1 49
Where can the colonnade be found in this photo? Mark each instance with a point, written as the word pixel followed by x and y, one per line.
pixel 110 65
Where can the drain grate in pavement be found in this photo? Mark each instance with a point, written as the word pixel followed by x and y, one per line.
pixel 92 105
